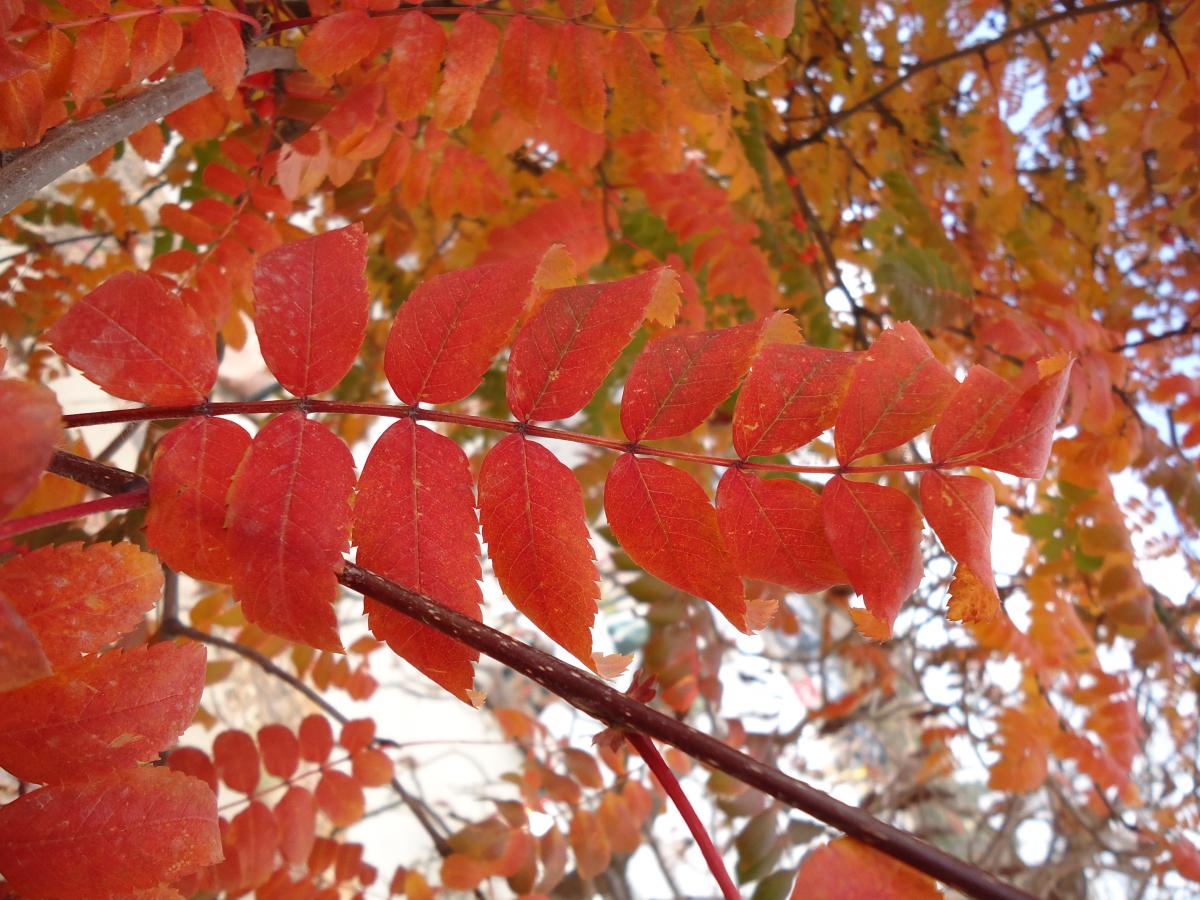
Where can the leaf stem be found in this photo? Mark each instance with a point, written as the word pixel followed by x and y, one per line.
pixel 129 500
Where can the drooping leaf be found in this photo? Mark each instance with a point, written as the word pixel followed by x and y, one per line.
pixel 959 509
pixel 531 509
pixel 774 531
pixel 678 380
pixel 1021 444
pixel 414 523
pixel 316 738
pixel 665 522
pixel 469 55
pixel 101 52
pixel 846 869
pixel 289 523
pixel 77 598
pixel 33 425
pixel 445 335
pixel 338 42
pixel 791 395
pixel 563 354
pixel 296 813
pixel 220 52
pixel 875 532
pixel 189 481
pixel 250 846
pixel 525 65
pixel 155 41
pixel 896 392
pixel 694 74
pixel 138 342
pixel 280 750
pixel 311 308
pixel 418 45
pixel 60 842
pixel 340 797
pixel 579 70
pixel 21 656
pixel 104 713
pixel 372 767
pixel 639 98
pixel 589 841
pixel 236 757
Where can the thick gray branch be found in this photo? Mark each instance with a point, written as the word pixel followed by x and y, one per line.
pixel 74 143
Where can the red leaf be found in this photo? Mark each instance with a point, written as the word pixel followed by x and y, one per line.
pixel 418 45
pixel 280 750
pixel 694 74
pixel 773 17
pixel 338 42
pixel 414 522
pixel 316 738
pixel 372 767
pixel 196 763
pixel 79 598
pixel 157 824
pixel 678 380
pixel 960 509
pixel 790 397
pixel 563 354
pixel 746 54
pixel 525 66
pixel 579 67
pixel 1021 444
pixel 446 333
pixel 1186 858
pixel 156 40
pixel 577 226
pixel 469 55
pixel 289 524
pixel 896 392
pixel 531 508
pixel 664 521
pixel 138 342
pixel 845 869
pixel 236 758
pixel 253 836
pixel 12 61
pixel 296 813
pixel 100 54
pixel 974 412
pixel 875 532
pixel 310 309
pixel 774 532
pixel 626 12
pixel 189 481
pixel 340 797
pixel 21 656
pixel 33 425
pixel 357 734
pixel 104 713
pixel 220 52
pixel 639 98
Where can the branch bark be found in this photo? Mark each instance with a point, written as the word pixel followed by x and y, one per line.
pixel 74 143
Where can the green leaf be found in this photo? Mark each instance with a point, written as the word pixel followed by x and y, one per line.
pixel 775 886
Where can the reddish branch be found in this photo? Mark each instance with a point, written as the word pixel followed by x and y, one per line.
pixel 129 500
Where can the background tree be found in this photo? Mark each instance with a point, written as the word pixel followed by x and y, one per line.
pixel 607 267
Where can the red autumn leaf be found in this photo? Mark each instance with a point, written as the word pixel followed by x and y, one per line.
pixel 280 750
pixel 311 302
pixel 972 416
pixel 563 354
pixel 773 17
pixel 577 226
pixel 372 767
pixel 138 342
pixel 236 757
pixel 746 54
pixel 678 380
pixel 156 40
pixel 626 12
pixel 101 52
pixel 531 508
pixel 875 532
pixel 677 13
pixel 338 42
pixel 296 813
pixel 469 55
pixel 845 869
pixel 775 532
pixel 160 825
pixel 896 392
pixel 1021 444
pixel 33 424
pixel 340 797
pixel 1186 858
pixel 664 521
pixel 959 509
pixel 289 524
pixel 316 738
pixel 78 599
pixel 194 762
pixel 104 713
pixel 357 734
pixel 638 93
pixel 579 70
pixel 189 482
pixel 220 52
pixel 790 397
pixel 22 101
pixel 525 65
pixel 694 74
pixel 418 45
pixel 447 332
pixel 21 656
pixel 414 522
pixel 13 62
pixel 253 836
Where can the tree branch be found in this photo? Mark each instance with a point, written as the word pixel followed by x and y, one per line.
pixel 74 143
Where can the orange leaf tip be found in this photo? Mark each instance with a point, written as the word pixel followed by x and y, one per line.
pixel 870 625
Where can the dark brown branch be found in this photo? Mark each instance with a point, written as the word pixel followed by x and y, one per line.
pixel 74 143
pixel 104 478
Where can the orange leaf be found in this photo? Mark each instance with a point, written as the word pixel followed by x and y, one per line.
pixel 773 17
pixel 220 52
pixel 372 767
pixel 525 65
pixel 289 523
pixel 33 425
pixel 236 757
pixel 104 713
pixel 338 42
pixel 250 845
pixel 138 342
pixel 340 797
pixel 677 13
pixel 693 73
pixel 280 750
pixel 845 869
pixel 414 522
pixel 579 66
pixel 22 101
pixel 639 99
pixel 875 532
pixel 743 51
pixel 101 52
pixel 418 45
pixel 627 12
pixel 316 738
pixel 896 392
pixel 156 40
pixel 534 522
pixel 79 598
pixel 590 843
pixel 469 55
pixel 189 481
pixel 158 825
pixel 296 813
pixel 21 656
pixel 959 509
